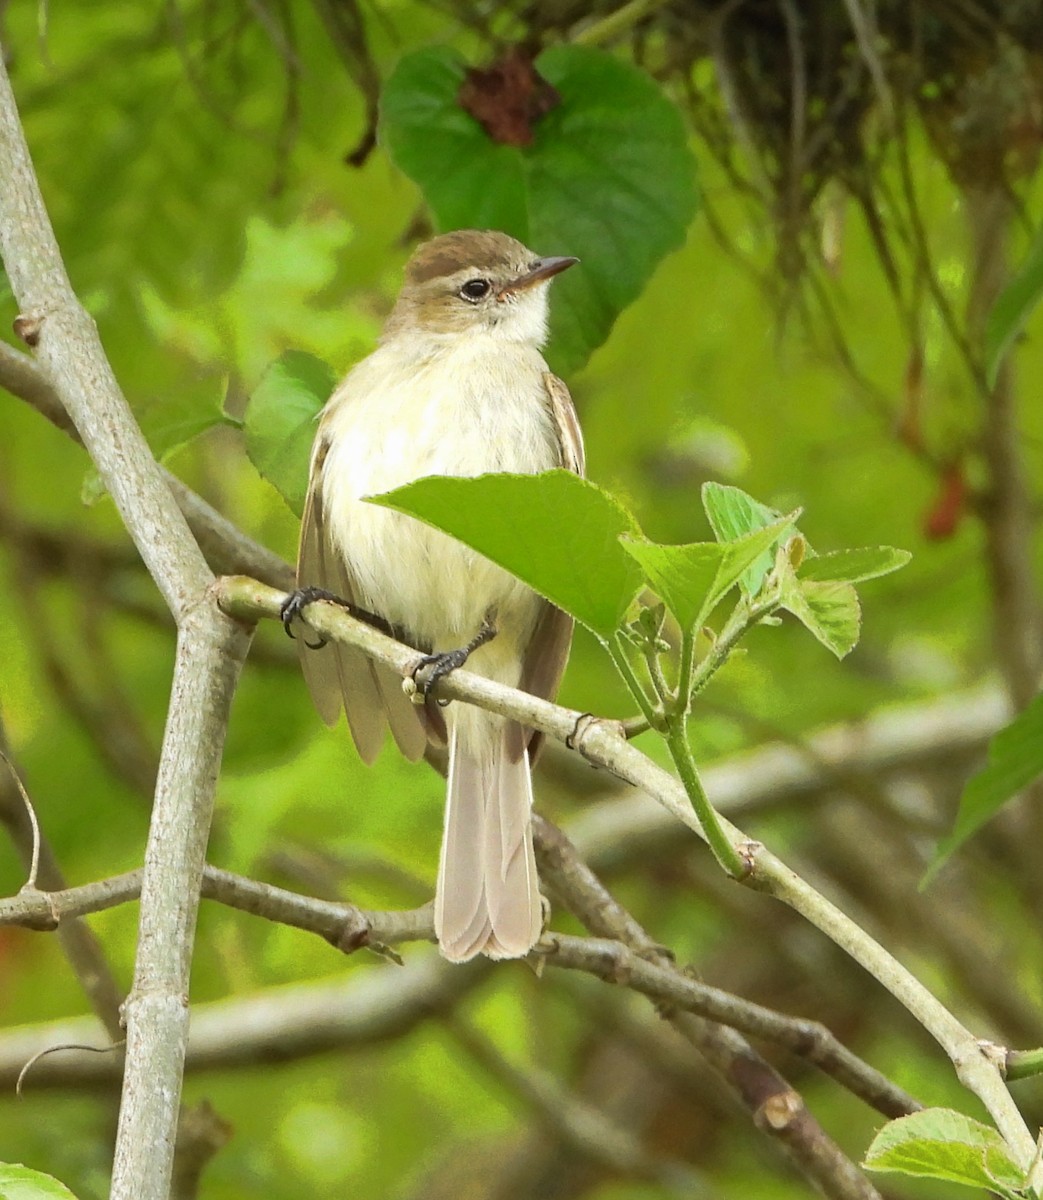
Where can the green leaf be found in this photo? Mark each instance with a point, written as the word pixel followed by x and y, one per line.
pixel 734 514
pixel 280 422
pixel 692 579
pixel 1015 760
pixel 1013 307
pixel 853 566
pixel 939 1143
pixel 829 609
pixel 22 1183
pixel 556 532
pixel 608 176
pixel 177 419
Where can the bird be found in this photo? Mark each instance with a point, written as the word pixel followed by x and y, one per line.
pixel 458 386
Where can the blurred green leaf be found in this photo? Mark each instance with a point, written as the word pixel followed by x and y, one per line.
pixel 280 422
pixel 608 176
pixel 940 1143
pixel 22 1183
pixel 557 532
pixel 853 566
pixel 1015 759
pixel 1013 307
pixel 734 514
pixel 174 421
pixel 692 579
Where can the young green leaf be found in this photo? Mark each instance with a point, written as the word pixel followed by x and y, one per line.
pixel 22 1183
pixel 853 566
pixel 829 609
pixel 692 579
pixel 939 1143
pixel 607 175
pixel 1015 760
pixel 734 514
pixel 1013 307
pixel 280 422
pixel 555 531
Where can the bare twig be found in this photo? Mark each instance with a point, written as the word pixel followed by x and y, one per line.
pixel 278 1024
pixel 79 945
pixel 227 549
pixel 34 824
pixel 70 353
pixel 614 962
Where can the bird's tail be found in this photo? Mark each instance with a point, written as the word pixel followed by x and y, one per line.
pixel 487 900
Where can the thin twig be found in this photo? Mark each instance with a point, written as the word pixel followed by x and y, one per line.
pixel 34 856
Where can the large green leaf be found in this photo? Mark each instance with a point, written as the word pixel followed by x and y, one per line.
pixel 940 1143
pixel 557 532
pixel 22 1183
pixel 280 422
pixel 608 176
pixel 1015 760
pixel 1013 307
pixel 692 579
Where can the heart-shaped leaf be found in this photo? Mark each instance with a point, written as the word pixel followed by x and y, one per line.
pixel 607 175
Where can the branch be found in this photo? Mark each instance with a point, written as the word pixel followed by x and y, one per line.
pixel 227 549
pixel 279 1024
pixel 70 354
pixel 776 1108
pixel 349 928
pixel 210 651
pixel 601 744
pixel 613 962
pixel 81 948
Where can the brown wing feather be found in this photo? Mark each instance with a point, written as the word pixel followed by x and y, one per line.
pixel 548 649
pixel 341 676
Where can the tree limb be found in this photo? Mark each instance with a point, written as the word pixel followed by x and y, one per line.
pixel 601 743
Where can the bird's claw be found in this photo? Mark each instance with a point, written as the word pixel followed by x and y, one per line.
pixel 440 664
pixel 448 660
pixel 293 608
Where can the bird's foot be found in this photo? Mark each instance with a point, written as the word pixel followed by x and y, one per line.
pixel 297 601
pixel 433 667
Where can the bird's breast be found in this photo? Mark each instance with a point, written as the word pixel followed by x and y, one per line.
pixel 393 422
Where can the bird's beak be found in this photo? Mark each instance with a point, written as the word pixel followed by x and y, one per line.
pixel 543 268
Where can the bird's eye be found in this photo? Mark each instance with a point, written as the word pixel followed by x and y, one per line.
pixel 475 289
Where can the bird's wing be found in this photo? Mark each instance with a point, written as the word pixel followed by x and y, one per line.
pixel 566 424
pixel 338 675
pixel 548 650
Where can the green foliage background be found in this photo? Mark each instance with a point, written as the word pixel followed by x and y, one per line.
pixel 207 236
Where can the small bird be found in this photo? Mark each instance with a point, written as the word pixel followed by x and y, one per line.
pixel 457 386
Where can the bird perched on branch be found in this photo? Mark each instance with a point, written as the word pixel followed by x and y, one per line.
pixel 457 386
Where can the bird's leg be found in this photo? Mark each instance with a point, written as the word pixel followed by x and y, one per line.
pixel 448 660
pixel 299 599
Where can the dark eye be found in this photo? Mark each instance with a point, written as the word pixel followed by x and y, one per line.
pixel 475 289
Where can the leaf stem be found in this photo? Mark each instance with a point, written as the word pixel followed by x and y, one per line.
pixel 650 711
pixel 686 672
pixel 684 761
pixel 738 624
